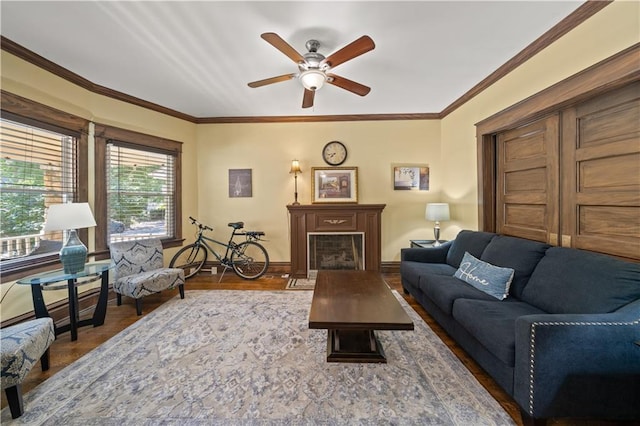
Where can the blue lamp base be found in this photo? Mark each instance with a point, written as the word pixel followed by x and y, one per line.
pixel 73 254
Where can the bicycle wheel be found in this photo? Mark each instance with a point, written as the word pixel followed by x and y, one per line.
pixel 191 258
pixel 250 260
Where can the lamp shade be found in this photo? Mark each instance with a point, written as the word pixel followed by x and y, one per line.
pixel 295 167
pixel 437 211
pixel 313 79
pixel 61 217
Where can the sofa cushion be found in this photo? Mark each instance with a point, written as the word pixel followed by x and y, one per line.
pixel 570 281
pixel 491 279
pixel 516 253
pixel 412 271
pixel 493 323
pixel 473 242
pixel 444 290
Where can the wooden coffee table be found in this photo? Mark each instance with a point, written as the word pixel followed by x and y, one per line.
pixel 351 305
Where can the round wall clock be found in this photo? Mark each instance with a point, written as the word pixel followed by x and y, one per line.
pixel 334 153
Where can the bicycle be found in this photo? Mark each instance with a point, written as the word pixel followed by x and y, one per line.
pixel 248 259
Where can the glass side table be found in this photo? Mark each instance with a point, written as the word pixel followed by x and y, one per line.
pixel 58 279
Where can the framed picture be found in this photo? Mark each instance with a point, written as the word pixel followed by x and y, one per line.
pixel 411 177
pixel 240 183
pixel 334 184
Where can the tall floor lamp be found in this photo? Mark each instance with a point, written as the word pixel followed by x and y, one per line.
pixel 437 212
pixel 295 169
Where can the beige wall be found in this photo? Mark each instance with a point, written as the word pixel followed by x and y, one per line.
pixel 447 146
pixel 268 149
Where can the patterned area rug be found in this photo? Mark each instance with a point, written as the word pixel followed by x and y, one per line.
pixel 248 357
pixel 300 284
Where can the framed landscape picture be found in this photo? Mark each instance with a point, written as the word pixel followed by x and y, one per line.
pixel 411 177
pixel 240 183
pixel 334 184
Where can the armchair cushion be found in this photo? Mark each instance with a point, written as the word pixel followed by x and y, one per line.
pixel 144 283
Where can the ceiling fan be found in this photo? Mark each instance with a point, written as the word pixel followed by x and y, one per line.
pixel 314 67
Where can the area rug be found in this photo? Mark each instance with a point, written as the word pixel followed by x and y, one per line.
pixel 300 284
pixel 248 357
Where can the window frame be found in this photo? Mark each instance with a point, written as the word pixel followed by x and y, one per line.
pixel 26 111
pixel 103 135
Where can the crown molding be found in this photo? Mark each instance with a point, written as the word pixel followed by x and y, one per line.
pixel 316 118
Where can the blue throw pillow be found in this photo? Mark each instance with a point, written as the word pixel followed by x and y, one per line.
pixel 493 280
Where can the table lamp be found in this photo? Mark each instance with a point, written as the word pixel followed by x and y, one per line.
pixel 437 212
pixel 295 169
pixel 69 217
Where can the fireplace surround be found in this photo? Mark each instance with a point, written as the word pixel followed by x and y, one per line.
pixel 364 220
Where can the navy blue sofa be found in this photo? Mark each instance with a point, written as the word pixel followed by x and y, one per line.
pixel 566 340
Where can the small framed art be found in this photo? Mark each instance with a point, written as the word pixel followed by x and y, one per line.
pixel 334 184
pixel 411 177
pixel 240 183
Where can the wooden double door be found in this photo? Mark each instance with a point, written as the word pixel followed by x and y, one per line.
pixel 572 178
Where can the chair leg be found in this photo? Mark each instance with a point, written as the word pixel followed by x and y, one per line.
pixel 119 299
pixel 181 289
pixel 14 398
pixel 44 360
pixel 139 306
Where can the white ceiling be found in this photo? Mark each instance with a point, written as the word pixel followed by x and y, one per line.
pixel 196 57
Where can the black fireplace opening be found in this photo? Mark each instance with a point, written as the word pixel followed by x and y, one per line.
pixel 342 251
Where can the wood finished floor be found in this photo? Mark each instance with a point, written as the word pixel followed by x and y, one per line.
pixel 64 352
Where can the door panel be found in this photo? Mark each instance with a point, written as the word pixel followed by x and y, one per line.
pixel 527 181
pixel 601 173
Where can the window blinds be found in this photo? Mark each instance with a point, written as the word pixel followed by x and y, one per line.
pixel 140 192
pixel 37 169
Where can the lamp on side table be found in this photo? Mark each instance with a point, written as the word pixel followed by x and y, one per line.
pixel 437 212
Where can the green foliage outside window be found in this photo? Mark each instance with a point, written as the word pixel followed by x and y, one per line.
pixel 136 193
pixel 22 201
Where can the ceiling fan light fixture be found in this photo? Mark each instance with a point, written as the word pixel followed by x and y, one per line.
pixel 313 79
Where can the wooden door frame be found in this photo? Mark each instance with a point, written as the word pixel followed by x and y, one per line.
pixel 611 73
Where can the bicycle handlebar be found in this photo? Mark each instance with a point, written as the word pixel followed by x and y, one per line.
pixel 199 225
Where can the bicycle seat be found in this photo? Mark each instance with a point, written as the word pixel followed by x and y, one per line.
pixel 236 225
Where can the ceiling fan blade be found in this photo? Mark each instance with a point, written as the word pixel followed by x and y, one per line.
pixel 350 51
pixel 272 80
pixel 346 84
pixel 276 41
pixel 307 99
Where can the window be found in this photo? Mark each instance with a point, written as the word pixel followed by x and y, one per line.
pixel 137 188
pixel 140 193
pixel 39 166
pixel 37 169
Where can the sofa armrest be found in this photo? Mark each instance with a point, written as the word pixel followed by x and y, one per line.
pixel 426 254
pixel 579 365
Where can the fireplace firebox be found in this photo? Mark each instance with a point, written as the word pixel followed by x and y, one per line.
pixel 330 250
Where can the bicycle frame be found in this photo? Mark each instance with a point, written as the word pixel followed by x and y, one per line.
pixel 231 246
